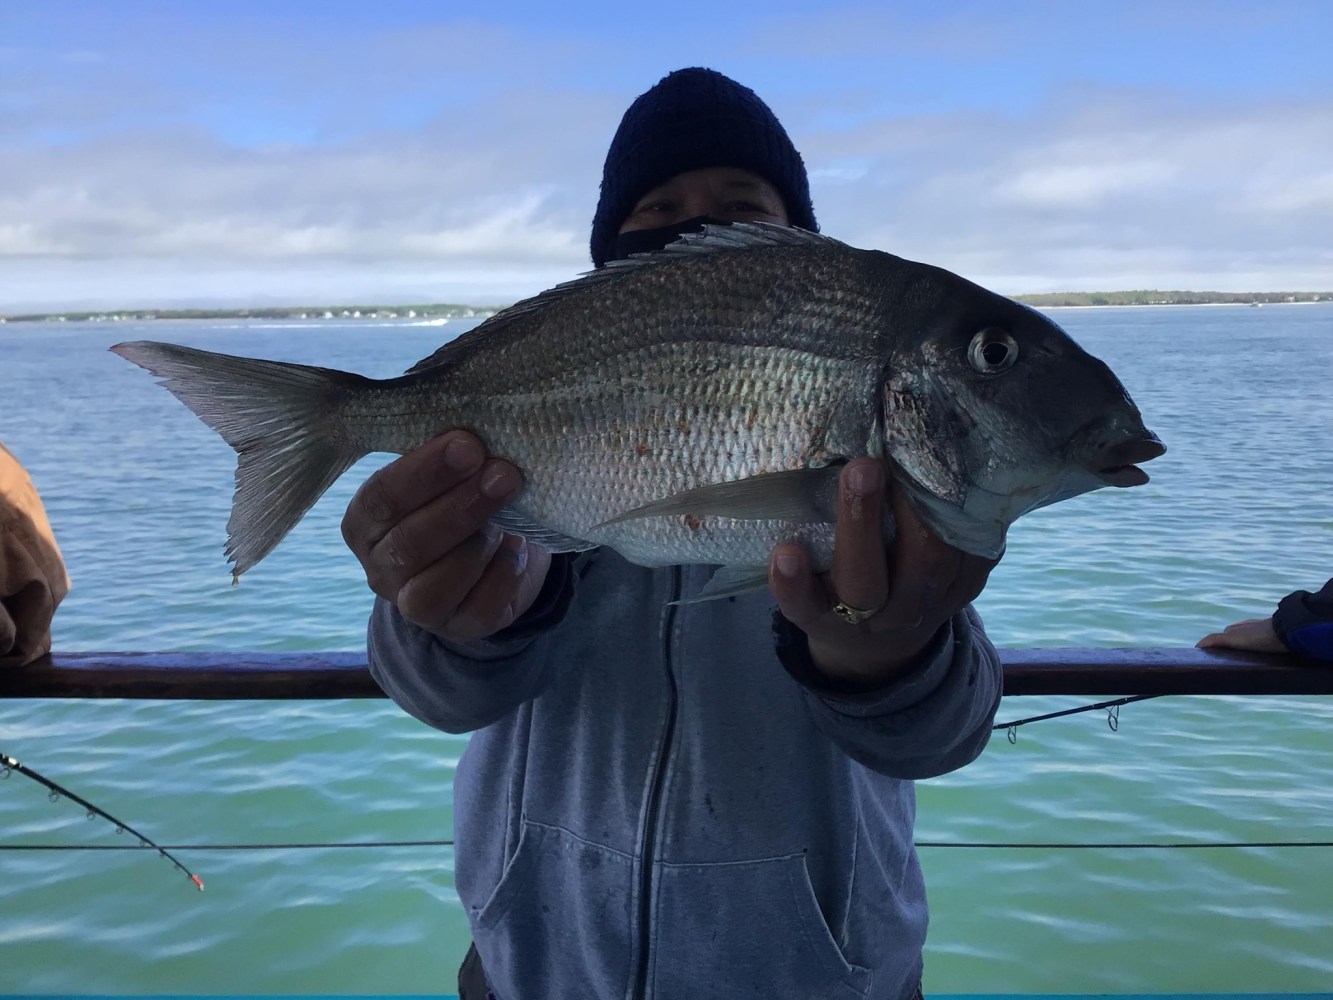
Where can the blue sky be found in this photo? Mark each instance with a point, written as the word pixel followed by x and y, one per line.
pixel 160 153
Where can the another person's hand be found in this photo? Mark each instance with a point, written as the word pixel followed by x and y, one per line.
pixel 1255 635
pixel 421 529
pixel 917 586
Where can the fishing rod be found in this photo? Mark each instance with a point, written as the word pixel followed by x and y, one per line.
pixel 1112 715
pixel 8 764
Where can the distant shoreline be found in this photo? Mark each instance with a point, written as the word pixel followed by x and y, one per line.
pixel 1154 297
pixel 450 311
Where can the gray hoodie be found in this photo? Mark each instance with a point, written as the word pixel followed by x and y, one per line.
pixel 652 808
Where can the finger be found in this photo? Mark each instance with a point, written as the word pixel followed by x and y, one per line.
pixel 924 568
pixel 801 597
pixel 859 575
pixel 505 590
pixel 1250 625
pixel 432 596
pixel 428 533
pixel 407 484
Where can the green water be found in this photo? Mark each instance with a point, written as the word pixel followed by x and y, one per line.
pixel 1238 513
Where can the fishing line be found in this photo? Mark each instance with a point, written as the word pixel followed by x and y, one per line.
pixel 1112 715
pixel 8 764
pixel 1177 845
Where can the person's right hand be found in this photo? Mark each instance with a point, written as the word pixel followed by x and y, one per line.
pixel 421 528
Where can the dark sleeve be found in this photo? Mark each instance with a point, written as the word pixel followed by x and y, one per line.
pixel 461 687
pixel 1304 622
pixel 933 719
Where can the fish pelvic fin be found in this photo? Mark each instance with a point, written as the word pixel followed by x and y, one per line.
pixel 548 538
pixel 285 422
pixel 802 496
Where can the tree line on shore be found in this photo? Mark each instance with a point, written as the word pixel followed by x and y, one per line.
pixel 1140 297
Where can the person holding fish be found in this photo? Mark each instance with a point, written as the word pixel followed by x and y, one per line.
pixel 673 788
pixel 650 805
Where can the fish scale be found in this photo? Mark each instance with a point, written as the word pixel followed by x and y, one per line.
pixel 599 467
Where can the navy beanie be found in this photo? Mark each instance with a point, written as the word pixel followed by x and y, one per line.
pixel 692 119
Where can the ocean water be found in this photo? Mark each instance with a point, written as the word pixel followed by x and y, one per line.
pixel 1238 513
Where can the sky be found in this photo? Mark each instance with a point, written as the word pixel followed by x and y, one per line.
pixel 238 153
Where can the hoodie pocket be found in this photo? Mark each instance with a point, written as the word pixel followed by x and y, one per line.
pixel 558 922
pixel 752 923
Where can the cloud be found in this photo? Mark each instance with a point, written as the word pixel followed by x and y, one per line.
pixel 504 186
pixel 1097 193
pixel 413 159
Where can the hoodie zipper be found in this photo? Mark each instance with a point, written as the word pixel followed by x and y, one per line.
pixel 655 795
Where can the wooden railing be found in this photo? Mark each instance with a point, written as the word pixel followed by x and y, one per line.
pixel 258 676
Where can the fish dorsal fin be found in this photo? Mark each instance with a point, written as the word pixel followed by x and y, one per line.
pixel 801 496
pixel 715 239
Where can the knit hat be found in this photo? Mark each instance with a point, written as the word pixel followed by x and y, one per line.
pixel 692 119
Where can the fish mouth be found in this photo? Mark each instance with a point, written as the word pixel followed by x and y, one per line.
pixel 1117 465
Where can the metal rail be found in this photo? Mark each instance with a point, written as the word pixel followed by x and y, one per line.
pixel 322 676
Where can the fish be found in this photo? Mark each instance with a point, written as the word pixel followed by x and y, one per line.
pixel 695 405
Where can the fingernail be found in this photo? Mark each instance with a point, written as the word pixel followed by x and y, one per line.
pixel 462 455
pixel 499 481
pixel 864 477
pixel 492 536
pixel 789 564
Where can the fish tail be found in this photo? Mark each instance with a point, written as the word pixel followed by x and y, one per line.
pixel 286 422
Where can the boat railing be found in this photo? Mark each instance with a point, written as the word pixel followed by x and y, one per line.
pixel 212 676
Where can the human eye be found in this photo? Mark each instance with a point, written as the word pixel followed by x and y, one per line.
pixel 652 205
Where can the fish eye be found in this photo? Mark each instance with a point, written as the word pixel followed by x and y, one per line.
pixel 992 351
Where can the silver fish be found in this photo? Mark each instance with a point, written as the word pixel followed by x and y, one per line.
pixel 695 405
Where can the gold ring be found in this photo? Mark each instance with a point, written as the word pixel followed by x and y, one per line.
pixel 852 615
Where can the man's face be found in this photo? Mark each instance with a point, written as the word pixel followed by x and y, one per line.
pixel 726 193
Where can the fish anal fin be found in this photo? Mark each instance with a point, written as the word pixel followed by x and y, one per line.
pixel 730 581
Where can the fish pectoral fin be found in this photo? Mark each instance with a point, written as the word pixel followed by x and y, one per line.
pixel 729 581
pixel 801 496
pixel 534 531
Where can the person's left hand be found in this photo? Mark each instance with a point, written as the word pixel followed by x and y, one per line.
pixel 917 586
pixel 1254 634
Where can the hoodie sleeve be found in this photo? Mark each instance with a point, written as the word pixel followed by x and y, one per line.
pixel 462 687
pixel 1304 622
pixel 930 721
